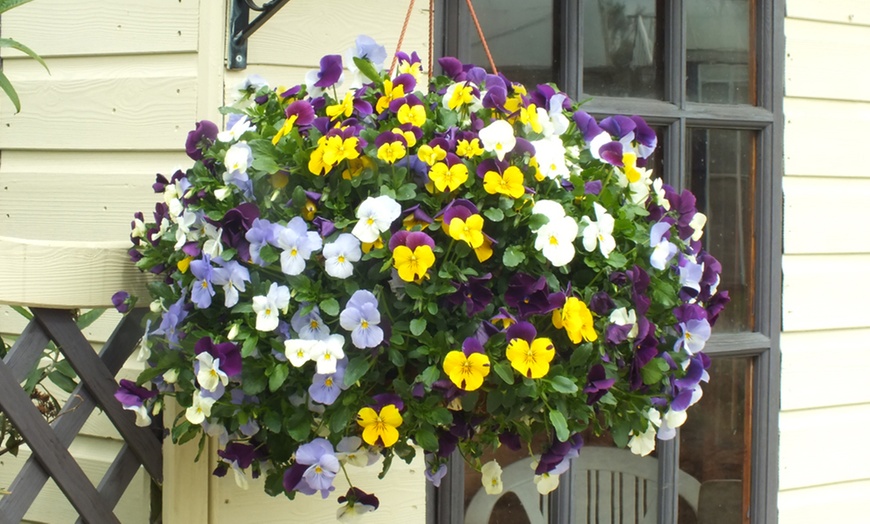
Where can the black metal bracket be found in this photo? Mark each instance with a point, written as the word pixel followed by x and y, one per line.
pixel 241 29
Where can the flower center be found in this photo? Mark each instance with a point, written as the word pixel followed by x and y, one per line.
pixel 364 324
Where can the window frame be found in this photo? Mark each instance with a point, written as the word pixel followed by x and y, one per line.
pixel 677 116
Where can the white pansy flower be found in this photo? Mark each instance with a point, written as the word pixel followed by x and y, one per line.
pixel 327 353
pixel 350 450
pixel 550 155
pixel 222 193
pixel 171 376
pixel 341 254
pixel 498 137
pixel 297 244
pixel 210 374
pixel 235 132
pixel 670 422
pixel 663 249
pixel 212 246
pixel 659 191
pixel 644 443
pixel 268 307
pixel 200 409
pixel 699 220
pixel 298 350
pixel 599 232
pixel 555 240
pixel 375 215
pixel 491 478
pixel 237 160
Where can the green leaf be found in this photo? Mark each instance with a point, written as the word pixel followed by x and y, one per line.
pixel 430 375
pixel 330 307
pixel 278 376
pixel 616 260
pixel 537 220
pixel 269 254
pixel 62 381
pixel 563 384
pixel 418 326
pixel 620 432
pixel 426 439
pixel 254 381
pixel 513 256
pixel 272 421
pixel 365 67
pixel 406 192
pixel 651 373
pixel 266 164
pixel 504 371
pixel 23 311
pixel 86 319
pixel 249 346
pixel 356 368
pixel 440 417
pixel 495 214
pixel 10 91
pixel 14 44
pixel 339 419
pixel 64 368
pixel 559 424
pixel 6 5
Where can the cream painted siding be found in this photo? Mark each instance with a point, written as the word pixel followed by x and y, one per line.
pixel 826 323
pixel 128 80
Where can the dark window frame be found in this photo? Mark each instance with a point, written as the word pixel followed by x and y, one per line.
pixel 677 116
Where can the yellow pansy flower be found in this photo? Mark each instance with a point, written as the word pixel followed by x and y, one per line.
pixel 469 231
pixel 448 178
pixel 412 265
pixel 531 360
pixel 380 426
pixel 510 183
pixel 466 372
pixel 576 318
pixel 391 152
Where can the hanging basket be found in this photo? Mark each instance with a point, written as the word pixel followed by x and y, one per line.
pixel 415 265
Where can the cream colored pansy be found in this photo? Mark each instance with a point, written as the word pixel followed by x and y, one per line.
pixel 598 232
pixel 491 478
pixel 498 137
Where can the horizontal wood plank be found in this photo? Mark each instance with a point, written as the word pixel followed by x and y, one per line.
pixel 821 60
pixel 842 11
pixel 817 446
pixel 305 30
pixel 92 27
pixel 808 122
pixel 66 274
pixel 402 496
pixel 125 105
pixel 843 503
pixel 822 292
pixel 805 233
pixel 800 368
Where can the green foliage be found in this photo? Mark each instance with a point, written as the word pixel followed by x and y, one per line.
pixel 5 84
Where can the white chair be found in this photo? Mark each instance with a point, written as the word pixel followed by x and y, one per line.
pixel 610 485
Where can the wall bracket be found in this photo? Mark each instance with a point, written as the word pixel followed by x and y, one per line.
pixel 241 28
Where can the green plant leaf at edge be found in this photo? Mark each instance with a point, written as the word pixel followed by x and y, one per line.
pixel 10 91
pixel 6 5
pixel 15 44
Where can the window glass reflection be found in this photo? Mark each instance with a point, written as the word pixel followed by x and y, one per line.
pixel 715 443
pixel 722 176
pixel 520 37
pixel 719 68
pixel 622 48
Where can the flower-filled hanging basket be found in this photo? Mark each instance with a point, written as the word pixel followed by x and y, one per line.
pixel 415 265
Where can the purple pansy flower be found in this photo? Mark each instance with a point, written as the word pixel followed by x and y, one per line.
pixel 200 139
pixel 121 301
pixel 325 388
pixel 361 317
pixel 202 289
pixel 133 398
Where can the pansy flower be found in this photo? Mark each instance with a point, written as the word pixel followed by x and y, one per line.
pixel 134 398
pixel 361 317
pixel 375 215
pixel 413 254
pixel 467 368
pixel 576 319
pixel 529 355
pixel 380 427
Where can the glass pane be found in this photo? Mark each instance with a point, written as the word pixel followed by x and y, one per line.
pixel 719 51
pixel 622 48
pixel 520 37
pixel 722 176
pixel 506 507
pixel 714 447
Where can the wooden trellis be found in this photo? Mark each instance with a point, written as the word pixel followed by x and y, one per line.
pixel 48 443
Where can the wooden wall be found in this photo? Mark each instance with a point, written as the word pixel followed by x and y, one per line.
pixel 128 81
pixel 824 474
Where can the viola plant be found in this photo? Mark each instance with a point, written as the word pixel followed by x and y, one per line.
pixel 419 265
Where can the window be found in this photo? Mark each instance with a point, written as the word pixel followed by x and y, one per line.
pixel 707 75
